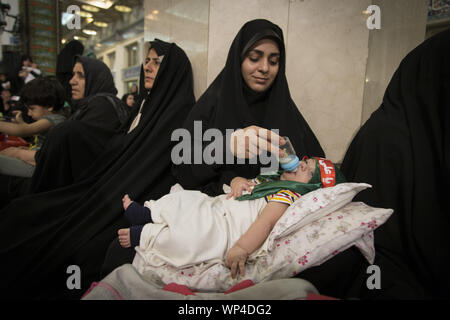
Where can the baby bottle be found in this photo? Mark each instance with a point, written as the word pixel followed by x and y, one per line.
pixel 288 159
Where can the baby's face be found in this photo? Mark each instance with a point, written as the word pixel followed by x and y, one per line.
pixel 304 172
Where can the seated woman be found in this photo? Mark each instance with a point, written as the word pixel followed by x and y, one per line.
pixel 218 227
pixel 44 233
pixel 128 99
pixel 403 151
pixel 44 99
pixel 73 146
pixel 5 99
pixel 251 92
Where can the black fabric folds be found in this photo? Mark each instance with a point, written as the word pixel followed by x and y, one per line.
pixel 43 234
pixel 72 146
pixel 229 104
pixel 403 151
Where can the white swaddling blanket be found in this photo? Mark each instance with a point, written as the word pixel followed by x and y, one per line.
pixel 190 227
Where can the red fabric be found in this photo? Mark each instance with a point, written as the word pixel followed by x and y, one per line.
pixel 11 142
pixel 327 172
pixel 93 285
pixel 312 296
pixel 182 289
pixel 178 288
pixel 241 285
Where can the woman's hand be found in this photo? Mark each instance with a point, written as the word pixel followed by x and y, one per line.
pixel 238 185
pixel 235 260
pixel 253 140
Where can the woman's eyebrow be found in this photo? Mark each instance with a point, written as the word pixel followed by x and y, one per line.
pixel 256 51
pixel 262 53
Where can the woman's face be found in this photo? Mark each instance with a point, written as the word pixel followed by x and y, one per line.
pixel 6 95
pixel 260 66
pixel 130 100
pixel 151 67
pixel 78 82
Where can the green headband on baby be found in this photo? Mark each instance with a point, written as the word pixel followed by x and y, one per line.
pixel 325 175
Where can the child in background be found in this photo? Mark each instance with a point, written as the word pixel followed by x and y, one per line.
pixel 189 227
pixel 44 99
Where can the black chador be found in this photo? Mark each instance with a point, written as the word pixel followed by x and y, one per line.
pixel 43 234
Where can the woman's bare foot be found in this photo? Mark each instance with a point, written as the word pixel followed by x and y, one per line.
pixel 124 237
pixel 126 201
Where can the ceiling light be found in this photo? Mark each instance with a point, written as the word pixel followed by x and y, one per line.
pixel 122 8
pixel 79 38
pixel 89 20
pixel 85 14
pixel 90 8
pixel 100 24
pixel 104 4
pixel 90 32
pixel 155 11
pixel 63 41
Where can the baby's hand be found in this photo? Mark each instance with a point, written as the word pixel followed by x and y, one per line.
pixel 238 185
pixel 235 260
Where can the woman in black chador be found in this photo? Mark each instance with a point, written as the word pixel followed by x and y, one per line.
pixel 251 90
pixel 76 143
pixel 43 234
pixel 403 151
pixel 72 146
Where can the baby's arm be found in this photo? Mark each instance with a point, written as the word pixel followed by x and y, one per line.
pixel 254 237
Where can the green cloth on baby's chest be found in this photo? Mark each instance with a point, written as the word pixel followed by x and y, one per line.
pixel 271 184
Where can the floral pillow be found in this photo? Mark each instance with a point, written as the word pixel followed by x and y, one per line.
pixel 322 239
pixel 315 205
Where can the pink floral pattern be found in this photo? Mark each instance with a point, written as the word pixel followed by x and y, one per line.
pixel 302 260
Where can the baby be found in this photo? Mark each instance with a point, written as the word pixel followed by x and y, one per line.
pixel 188 227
